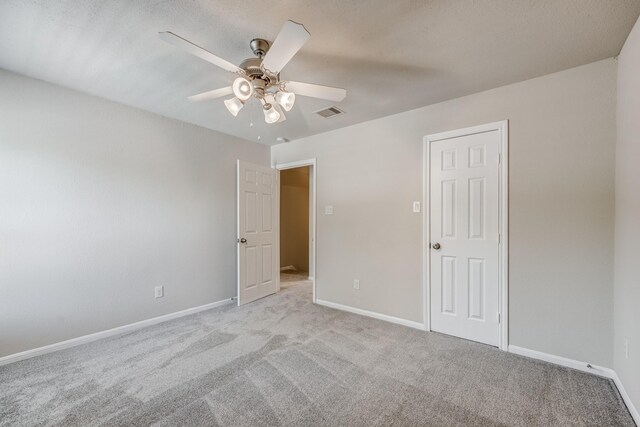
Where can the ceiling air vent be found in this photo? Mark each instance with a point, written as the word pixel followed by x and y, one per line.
pixel 329 112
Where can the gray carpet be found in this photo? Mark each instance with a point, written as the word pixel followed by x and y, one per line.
pixel 293 278
pixel 284 361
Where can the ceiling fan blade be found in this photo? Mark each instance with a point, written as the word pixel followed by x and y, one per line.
pixel 290 39
pixel 335 94
pixel 211 94
pixel 196 50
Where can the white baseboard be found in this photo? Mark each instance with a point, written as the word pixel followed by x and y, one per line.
pixel 385 317
pixel 581 366
pixel 562 361
pixel 108 333
pixel 627 400
pixel 288 268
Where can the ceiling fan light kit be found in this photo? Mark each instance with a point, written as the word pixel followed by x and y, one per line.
pixel 271 115
pixel 260 77
pixel 286 99
pixel 242 88
pixel 234 105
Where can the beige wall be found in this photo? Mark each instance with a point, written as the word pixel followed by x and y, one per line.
pixel 627 236
pixel 100 203
pixel 294 218
pixel 562 136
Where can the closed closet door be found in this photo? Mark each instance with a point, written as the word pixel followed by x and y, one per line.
pixel 464 227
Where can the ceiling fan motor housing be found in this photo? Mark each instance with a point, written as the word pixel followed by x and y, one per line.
pixel 251 66
pixel 259 47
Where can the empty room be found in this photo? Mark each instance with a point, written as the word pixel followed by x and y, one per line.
pixel 327 213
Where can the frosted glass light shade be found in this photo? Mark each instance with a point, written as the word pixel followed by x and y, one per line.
pixel 286 100
pixel 234 105
pixel 242 88
pixel 271 115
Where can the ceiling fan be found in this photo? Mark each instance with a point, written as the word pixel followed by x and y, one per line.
pixel 260 77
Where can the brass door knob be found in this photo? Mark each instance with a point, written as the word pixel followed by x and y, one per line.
pixel 436 246
pixel 243 240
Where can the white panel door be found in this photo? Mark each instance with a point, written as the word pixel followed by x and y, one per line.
pixel 464 236
pixel 257 214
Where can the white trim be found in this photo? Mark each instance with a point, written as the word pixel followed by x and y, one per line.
pixel 627 400
pixel 313 173
pixel 278 184
pixel 238 233
pixel 562 361
pixel 296 164
pixel 504 232
pixel 108 333
pixel 379 316
pixel 426 234
pixel 503 128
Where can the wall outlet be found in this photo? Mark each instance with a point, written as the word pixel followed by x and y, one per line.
pixel 356 284
pixel 328 210
pixel 626 349
pixel 416 207
pixel 159 291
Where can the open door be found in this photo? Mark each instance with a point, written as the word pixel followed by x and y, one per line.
pixel 257 233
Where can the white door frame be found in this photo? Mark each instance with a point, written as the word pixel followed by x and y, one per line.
pixel 503 221
pixel 312 215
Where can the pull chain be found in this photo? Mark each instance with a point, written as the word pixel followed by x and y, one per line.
pixel 251 114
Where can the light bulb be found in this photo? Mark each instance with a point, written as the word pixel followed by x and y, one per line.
pixel 234 105
pixel 242 88
pixel 286 100
pixel 271 115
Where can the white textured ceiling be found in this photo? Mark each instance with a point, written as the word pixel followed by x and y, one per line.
pixel 391 56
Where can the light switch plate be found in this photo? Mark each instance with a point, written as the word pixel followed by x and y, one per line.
pixel 159 291
pixel 416 207
pixel 328 210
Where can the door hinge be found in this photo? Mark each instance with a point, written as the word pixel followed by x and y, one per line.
pixel 499 158
pixel 499 318
pixel 499 238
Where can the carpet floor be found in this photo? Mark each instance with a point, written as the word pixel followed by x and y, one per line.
pixel 283 361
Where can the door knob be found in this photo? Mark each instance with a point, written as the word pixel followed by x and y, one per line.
pixel 436 246
pixel 243 240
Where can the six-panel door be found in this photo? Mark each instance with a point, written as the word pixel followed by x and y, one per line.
pixel 464 222
pixel 257 209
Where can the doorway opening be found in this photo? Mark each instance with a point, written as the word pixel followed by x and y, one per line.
pixel 297 227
